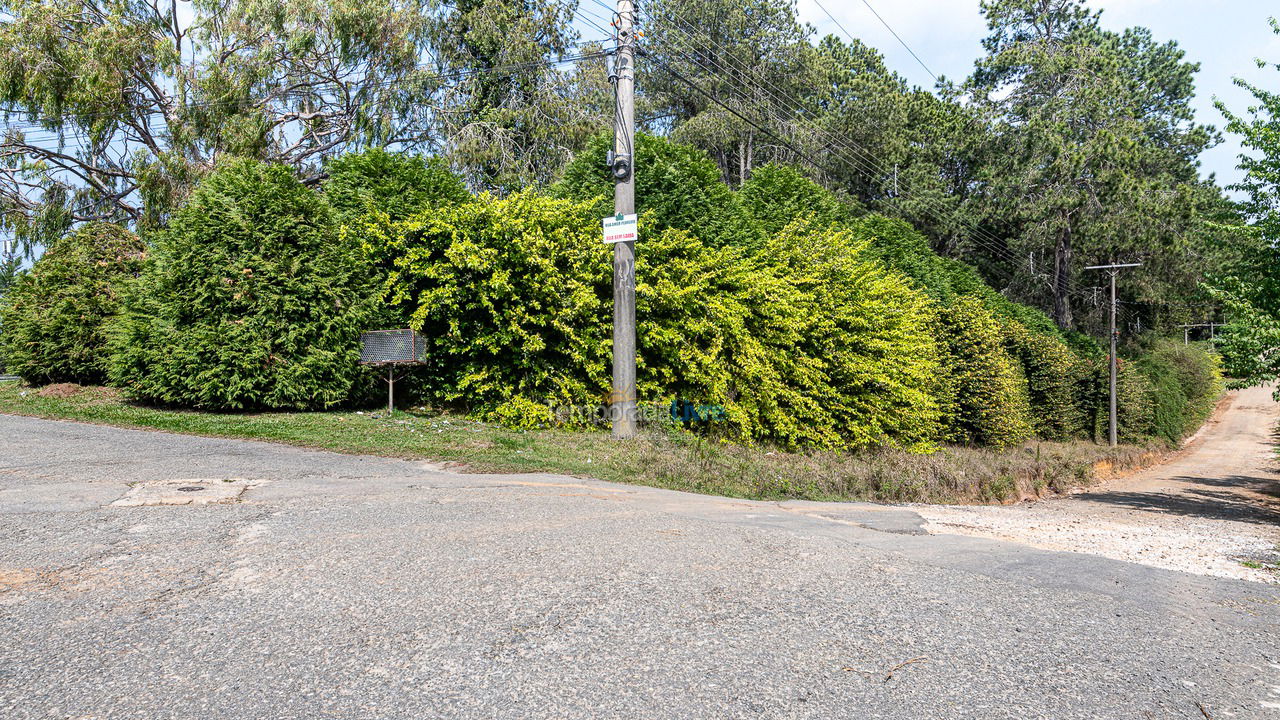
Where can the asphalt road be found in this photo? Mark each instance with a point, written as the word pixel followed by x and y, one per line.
pixel 349 587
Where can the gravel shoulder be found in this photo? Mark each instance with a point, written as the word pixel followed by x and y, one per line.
pixel 1214 509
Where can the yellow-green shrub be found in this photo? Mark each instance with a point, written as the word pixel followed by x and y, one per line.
pixel 506 294
pixel 818 347
pixel 1134 409
pixel 1053 373
pixel 871 333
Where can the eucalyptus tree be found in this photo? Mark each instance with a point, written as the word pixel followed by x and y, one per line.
pixel 114 108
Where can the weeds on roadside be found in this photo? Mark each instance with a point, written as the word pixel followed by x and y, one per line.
pixel 663 456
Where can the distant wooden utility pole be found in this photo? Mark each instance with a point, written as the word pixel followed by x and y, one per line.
pixel 622 164
pixel 1113 270
pixel 1186 331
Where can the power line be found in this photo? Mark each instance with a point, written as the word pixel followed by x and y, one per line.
pixel 735 113
pixel 863 160
pixel 887 27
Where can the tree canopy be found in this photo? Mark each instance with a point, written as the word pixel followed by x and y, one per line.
pixel 116 108
pixel 1250 291
pixel 1094 149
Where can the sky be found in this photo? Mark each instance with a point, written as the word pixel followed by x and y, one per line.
pixel 1224 36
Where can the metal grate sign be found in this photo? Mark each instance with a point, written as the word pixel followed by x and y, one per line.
pixel 388 347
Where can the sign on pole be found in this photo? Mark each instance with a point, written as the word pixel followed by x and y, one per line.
pixel 620 228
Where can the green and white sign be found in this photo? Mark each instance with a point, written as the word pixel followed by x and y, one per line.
pixel 620 228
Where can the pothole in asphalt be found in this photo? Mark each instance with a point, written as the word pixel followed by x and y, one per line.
pixel 185 491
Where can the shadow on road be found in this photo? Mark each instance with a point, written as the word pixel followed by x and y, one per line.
pixel 1205 503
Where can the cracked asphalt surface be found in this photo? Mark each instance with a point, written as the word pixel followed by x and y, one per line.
pixel 358 587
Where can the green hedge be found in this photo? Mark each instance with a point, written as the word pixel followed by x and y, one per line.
pixel 984 391
pixel 677 186
pixel 776 196
pixel 252 299
pixel 819 347
pixel 874 332
pixel 1165 391
pixel 1185 382
pixel 1016 376
pixel 55 315
pixel 505 292
pixel 1059 408
pixel 398 185
pixel 811 323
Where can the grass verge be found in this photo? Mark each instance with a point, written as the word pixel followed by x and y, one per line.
pixel 668 459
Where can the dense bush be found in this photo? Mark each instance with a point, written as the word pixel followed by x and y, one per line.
pixel 252 299
pixel 1134 412
pixel 818 347
pixel 513 295
pixel 54 316
pixel 1165 391
pixel 1057 382
pixel 709 322
pixel 984 393
pixel 1185 382
pixel 505 291
pixel 677 186
pixel 777 195
pixel 811 323
pixel 1040 380
pixel 901 247
pixel 779 302
pixel 398 185
pixel 869 331
pixel 377 186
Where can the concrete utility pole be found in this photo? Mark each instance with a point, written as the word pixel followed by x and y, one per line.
pixel 623 400
pixel 1113 270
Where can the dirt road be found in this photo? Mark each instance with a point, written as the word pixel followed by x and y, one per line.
pixel 1213 510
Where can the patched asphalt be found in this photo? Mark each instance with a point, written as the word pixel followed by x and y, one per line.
pixel 357 587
